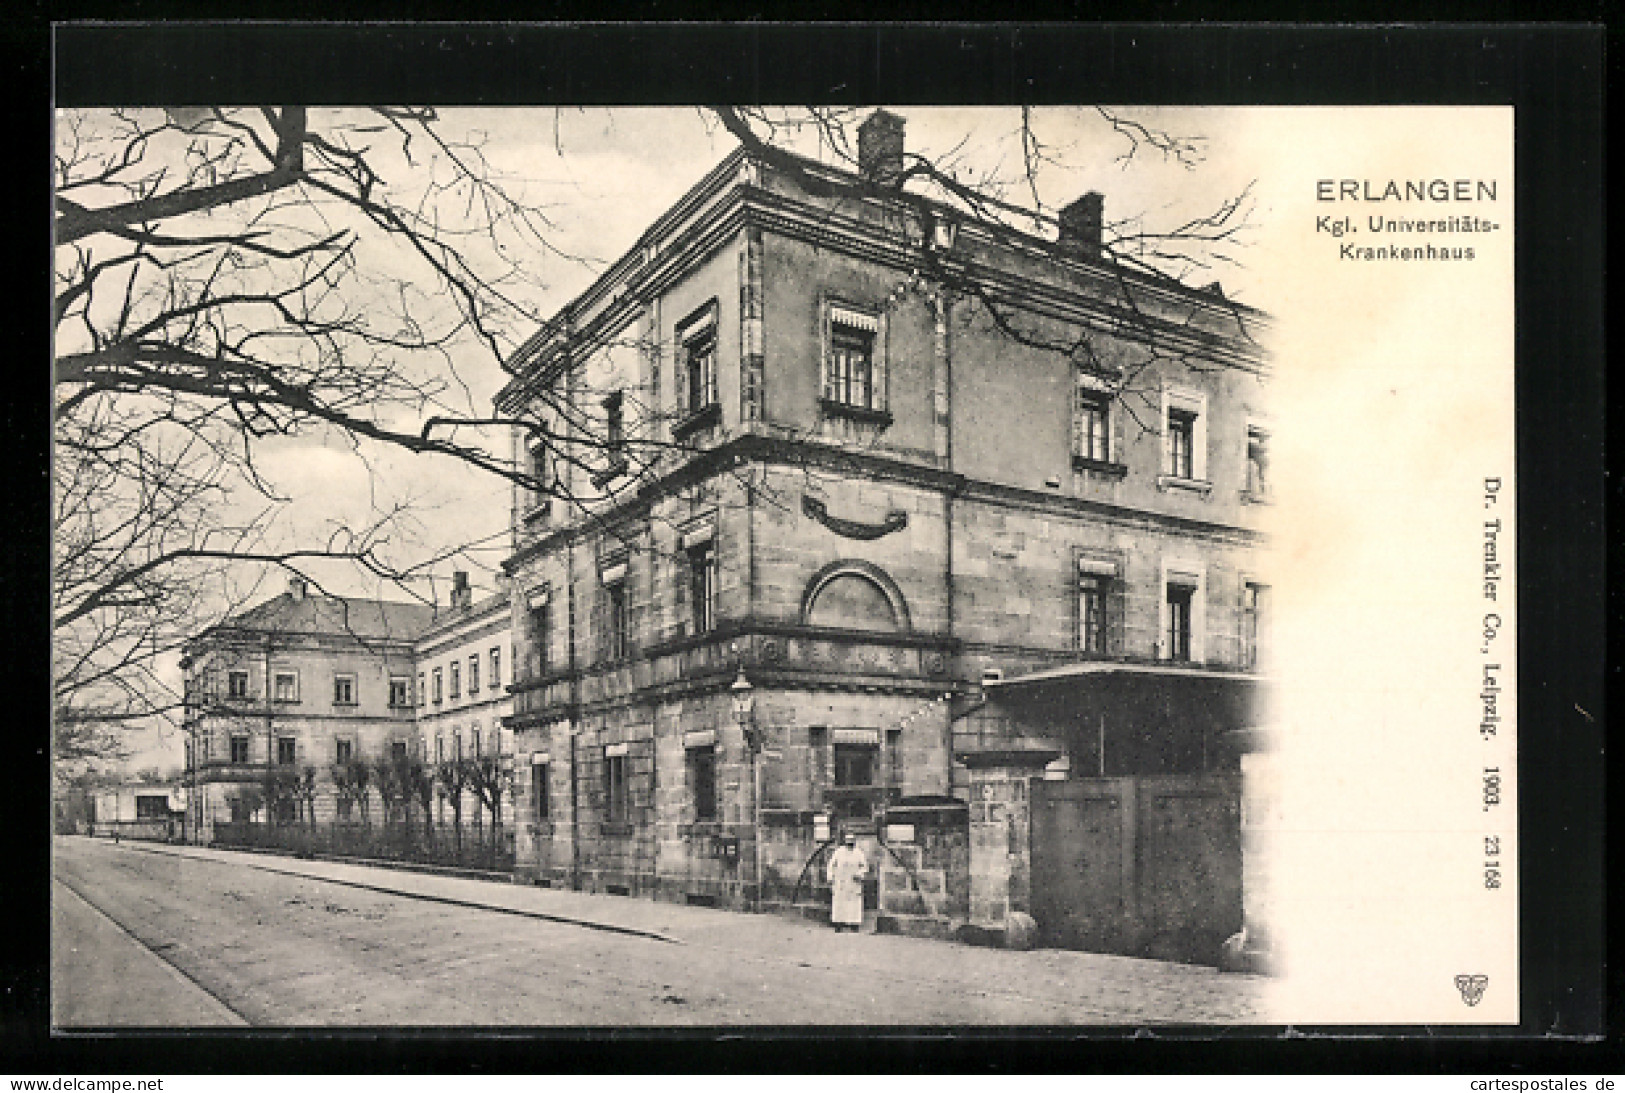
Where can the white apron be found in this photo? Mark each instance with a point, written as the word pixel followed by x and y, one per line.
pixel 845 872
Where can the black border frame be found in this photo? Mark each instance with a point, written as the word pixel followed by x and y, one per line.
pixel 1553 75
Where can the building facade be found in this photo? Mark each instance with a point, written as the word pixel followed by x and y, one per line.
pixel 301 683
pixel 138 810
pixel 463 664
pixel 855 455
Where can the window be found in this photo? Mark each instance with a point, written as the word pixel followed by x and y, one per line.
pixel 700 369
pixel 1254 625
pixel 894 757
pixel 287 751
pixel 400 692
pixel 344 690
pixel 1092 425
pixel 855 764
pixel 614 426
pixel 702 781
pixel 541 633
pixel 702 586
pixel 849 380
pixel 239 749
pixel 1181 441
pixel 540 493
pixel 439 748
pixel 423 692
pixel 496 668
pixel 1184 440
pixel 615 801
pixel 151 806
pixel 538 792
pixel 474 740
pixel 287 687
pixel 1178 638
pixel 397 751
pixel 474 674
pixel 818 755
pixel 614 441
pixel 237 684
pixel 456 679
pixel 343 751
pixel 615 620
pixel 1258 463
pixel 1092 613
pixel 437 697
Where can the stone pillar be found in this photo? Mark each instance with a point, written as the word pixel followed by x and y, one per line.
pixel 1254 948
pixel 1000 835
pixel 941 376
pixel 751 394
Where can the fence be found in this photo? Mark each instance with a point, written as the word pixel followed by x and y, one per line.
pixel 473 848
pixel 165 830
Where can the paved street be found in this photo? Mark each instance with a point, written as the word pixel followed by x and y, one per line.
pixel 277 941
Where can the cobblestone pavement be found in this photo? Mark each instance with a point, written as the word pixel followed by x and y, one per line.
pixel 282 941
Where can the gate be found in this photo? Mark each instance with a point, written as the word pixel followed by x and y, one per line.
pixel 1147 866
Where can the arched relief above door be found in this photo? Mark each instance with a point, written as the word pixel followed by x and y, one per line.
pixel 854 595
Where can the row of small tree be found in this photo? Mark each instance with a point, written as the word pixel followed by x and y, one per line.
pixel 406 786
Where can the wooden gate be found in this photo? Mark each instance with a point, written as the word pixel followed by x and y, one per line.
pixel 1147 866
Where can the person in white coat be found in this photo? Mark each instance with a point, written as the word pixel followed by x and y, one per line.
pixel 845 872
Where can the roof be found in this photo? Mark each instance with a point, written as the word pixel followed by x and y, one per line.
pixel 448 620
pixel 336 615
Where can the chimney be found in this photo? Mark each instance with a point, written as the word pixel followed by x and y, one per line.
pixel 880 147
pixel 460 598
pixel 296 587
pixel 1080 225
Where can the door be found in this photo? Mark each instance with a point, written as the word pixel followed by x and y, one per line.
pixel 1147 866
pixel 1082 881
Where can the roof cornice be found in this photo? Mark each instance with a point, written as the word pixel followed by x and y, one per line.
pixel 709 212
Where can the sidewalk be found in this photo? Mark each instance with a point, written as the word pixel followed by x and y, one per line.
pixel 132 986
pixel 1119 989
pixel 670 922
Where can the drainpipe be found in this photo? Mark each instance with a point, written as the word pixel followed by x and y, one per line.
pixel 575 819
pixel 270 725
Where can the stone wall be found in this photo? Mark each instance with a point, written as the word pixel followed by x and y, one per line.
pixel 925 870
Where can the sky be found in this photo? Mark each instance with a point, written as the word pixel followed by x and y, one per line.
pixel 600 177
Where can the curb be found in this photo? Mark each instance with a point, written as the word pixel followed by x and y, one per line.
pixel 450 901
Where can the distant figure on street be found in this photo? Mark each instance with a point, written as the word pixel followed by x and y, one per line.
pixel 845 872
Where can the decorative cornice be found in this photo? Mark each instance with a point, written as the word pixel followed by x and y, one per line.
pixel 896 520
pixel 756 447
pixel 491 621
